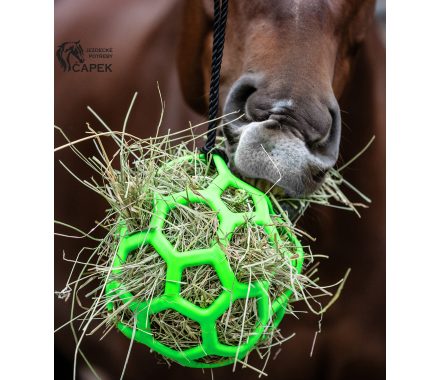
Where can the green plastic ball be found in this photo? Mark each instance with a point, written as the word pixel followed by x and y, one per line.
pixel 269 312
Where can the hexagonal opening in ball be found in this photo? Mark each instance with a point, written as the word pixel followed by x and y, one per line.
pixel 200 285
pixel 237 324
pixel 174 330
pixel 192 226
pixel 194 174
pixel 143 275
pixel 251 254
pixel 238 200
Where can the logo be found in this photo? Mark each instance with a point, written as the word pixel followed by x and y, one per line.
pixel 68 53
pixel 71 57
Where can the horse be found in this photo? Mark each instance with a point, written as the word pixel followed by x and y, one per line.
pixel 66 51
pixel 287 67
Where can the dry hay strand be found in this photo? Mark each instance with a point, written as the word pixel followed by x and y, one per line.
pixel 129 178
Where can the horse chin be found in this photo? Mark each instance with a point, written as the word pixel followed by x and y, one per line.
pixel 260 152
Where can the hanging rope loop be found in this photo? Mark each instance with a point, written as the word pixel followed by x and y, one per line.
pixel 219 29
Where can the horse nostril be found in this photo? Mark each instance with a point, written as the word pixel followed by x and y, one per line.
pixel 239 95
pixel 321 129
pixel 326 145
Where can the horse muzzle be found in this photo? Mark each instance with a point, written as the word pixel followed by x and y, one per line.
pixel 286 139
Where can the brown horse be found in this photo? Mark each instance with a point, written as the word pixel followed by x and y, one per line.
pixel 287 67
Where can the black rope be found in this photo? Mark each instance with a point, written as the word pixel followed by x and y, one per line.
pixel 220 17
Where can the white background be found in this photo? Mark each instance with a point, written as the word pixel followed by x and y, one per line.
pixel 413 193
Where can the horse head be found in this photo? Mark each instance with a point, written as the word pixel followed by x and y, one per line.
pixel 76 50
pixel 285 64
pixel 68 49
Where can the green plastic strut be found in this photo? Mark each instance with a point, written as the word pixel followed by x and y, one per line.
pixel 269 313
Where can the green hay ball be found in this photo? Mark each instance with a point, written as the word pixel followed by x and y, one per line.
pixel 269 313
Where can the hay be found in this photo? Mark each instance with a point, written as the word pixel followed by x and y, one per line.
pixel 128 181
pixel 191 227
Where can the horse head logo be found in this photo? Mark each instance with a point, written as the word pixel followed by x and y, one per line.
pixel 69 51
